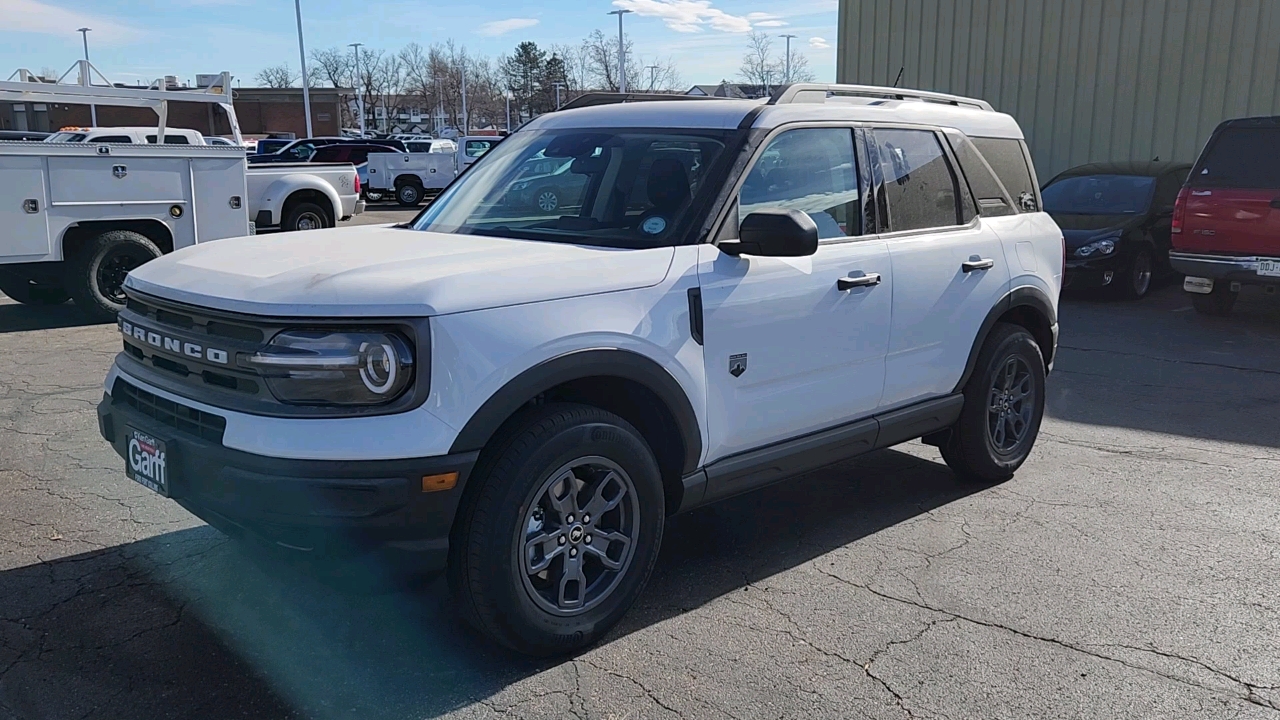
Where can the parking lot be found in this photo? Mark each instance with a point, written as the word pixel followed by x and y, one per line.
pixel 1129 570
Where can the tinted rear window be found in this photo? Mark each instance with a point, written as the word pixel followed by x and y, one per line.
pixel 332 153
pixel 1240 158
pixel 170 139
pixel 1007 159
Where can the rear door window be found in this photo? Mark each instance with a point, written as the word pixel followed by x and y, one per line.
pixel 170 139
pixel 112 139
pixel 919 187
pixel 990 194
pixel 332 153
pixel 1240 157
pixel 1008 159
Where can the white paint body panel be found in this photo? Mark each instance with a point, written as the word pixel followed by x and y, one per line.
pixel 79 182
pixel 815 354
pixel 271 184
pixel 433 170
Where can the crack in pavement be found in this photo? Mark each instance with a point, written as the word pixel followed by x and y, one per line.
pixel 1250 695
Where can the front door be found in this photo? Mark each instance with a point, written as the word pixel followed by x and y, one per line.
pixel 788 352
pixel 947 276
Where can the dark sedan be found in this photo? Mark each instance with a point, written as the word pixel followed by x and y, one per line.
pixel 1115 218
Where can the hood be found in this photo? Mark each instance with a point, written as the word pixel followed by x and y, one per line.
pixel 1078 230
pixel 386 271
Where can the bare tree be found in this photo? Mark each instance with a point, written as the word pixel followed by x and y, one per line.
pixel 335 67
pixel 800 71
pixel 659 76
pixel 759 66
pixel 601 61
pixel 276 76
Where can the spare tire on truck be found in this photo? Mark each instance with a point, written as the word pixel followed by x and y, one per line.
pixel 95 275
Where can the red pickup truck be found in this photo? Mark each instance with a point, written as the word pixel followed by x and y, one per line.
pixel 1226 222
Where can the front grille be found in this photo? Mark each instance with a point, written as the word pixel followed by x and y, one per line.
pixel 203 425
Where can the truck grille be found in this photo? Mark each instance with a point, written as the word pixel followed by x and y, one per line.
pixel 203 425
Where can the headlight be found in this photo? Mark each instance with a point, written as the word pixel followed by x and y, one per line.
pixel 319 367
pixel 520 187
pixel 1097 247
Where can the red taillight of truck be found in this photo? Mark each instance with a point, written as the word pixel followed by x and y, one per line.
pixel 1179 211
pixel 357 183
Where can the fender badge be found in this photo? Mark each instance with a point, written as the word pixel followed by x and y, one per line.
pixel 737 364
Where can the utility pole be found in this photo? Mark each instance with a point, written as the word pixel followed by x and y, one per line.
pixel 93 109
pixel 558 86
pixel 787 76
pixel 302 55
pixel 359 82
pixel 622 51
pixel 653 75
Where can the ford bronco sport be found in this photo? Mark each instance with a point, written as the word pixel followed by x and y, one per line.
pixel 743 291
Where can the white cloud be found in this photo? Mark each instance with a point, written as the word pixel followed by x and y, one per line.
pixel 692 16
pixel 33 16
pixel 502 27
pixel 818 43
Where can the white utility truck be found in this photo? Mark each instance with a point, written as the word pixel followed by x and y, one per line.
pixel 76 217
pixel 414 176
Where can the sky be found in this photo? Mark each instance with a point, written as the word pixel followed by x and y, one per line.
pixel 135 40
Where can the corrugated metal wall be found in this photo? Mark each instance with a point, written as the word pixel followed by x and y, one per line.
pixel 1088 80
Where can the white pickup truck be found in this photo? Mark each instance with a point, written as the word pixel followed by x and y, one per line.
pixel 414 176
pixel 78 216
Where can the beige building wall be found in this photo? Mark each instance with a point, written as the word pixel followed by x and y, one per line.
pixel 1088 80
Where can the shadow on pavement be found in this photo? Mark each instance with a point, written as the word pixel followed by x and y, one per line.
pixel 15 317
pixel 1159 366
pixel 190 625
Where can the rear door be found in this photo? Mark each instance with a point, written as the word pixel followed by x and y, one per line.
pixel 949 268
pixel 1233 203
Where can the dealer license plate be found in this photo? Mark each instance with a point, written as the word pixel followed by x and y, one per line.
pixel 147 460
pixel 1269 268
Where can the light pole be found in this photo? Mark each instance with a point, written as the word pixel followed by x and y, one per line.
pixel 653 75
pixel 359 82
pixel 787 76
pixel 622 51
pixel 302 56
pixel 558 86
pixel 466 121
pixel 508 94
pixel 93 109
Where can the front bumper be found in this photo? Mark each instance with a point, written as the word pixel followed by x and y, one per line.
pixel 337 507
pixel 1235 268
pixel 1094 272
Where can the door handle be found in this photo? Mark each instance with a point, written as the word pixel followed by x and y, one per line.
pixel 846 284
pixel 971 265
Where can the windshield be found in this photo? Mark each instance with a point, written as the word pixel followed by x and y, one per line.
pixel 618 188
pixel 1099 195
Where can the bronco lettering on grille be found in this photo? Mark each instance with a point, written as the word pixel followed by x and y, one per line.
pixel 174 345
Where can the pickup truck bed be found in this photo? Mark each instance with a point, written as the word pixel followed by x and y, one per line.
pixel 302 196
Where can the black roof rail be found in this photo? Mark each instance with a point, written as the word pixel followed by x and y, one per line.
pixel 592 99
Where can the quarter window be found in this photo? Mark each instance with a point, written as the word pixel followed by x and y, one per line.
pixel 919 187
pixel 811 170
pixel 1009 161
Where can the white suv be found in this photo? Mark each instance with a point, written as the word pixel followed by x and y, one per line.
pixel 735 292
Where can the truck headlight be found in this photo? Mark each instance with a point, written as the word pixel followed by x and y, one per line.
pixel 321 367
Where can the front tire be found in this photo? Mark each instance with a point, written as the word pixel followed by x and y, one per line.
pixel 546 199
pixel 95 276
pixel 1003 407
pixel 1139 274
pixel 409 195
pixel 559 530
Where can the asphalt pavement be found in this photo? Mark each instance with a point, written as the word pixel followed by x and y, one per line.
pixel 1129 570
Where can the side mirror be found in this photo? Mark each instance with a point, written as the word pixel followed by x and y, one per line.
pixel 774 232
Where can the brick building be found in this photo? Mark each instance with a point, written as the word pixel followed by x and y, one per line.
pixel 260 110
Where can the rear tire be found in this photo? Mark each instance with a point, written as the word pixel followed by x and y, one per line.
pixel 1003 407
pixel 95 276
pixel 558 531
pixel 1217 303
pixel 409 195
pixel 374 196
pixel 305 216
pixel 1139 275
pixel 27 292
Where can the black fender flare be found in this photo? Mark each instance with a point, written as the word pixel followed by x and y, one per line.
pixel 1027 295
pixel 580 365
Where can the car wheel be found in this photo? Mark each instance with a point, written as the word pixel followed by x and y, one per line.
pixel 559 530
pixel 27 292
pixel 1138 275
pixel 1003 407
pixel 409 195
pixel 547 200
pixel 95 276
pixel 1217 303
pixel 374 196
pixel 305 216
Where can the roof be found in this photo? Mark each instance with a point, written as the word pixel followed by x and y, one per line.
pixel 727 114
pixel 1141 168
